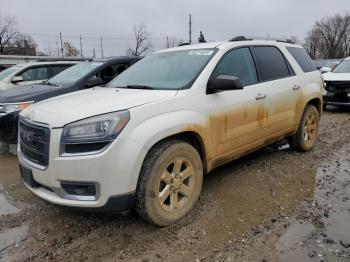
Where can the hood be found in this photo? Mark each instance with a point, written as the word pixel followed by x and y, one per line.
pixel 27 93
pixel 61 110
pixel 336 76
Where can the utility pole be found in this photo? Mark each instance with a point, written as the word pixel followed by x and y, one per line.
pixel 190 30
pixel 101 48
pixel 58 47
pixel 167 42
pixel 61 44
pixel 81 47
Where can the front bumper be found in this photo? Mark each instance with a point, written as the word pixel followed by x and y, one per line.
pixel 337 93
pixel 9 127
pixel 337 99
pixel 115 172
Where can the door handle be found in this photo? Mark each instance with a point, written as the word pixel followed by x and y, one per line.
pixel 260 96
pixel 296 87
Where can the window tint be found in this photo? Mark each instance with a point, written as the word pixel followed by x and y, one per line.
pixel 302 58
pixel 54 70
pixel 271 63
pixel 239 63
pixel 39 73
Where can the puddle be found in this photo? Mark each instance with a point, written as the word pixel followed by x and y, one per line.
pixel 6 207
pixel 10 239
pixel 316 233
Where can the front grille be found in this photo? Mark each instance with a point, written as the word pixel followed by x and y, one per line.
pixel 338 86
pixel 34 142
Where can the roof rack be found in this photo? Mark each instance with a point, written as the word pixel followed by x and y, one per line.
pixel 239 38
pixel 243 38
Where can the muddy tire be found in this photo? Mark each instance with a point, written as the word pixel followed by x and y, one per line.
pixel 305 137
pixel 170 182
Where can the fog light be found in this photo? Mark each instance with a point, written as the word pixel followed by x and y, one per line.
pixel 79 189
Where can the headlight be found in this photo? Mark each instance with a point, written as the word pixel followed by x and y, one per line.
pixel 95 129
pixel 9 108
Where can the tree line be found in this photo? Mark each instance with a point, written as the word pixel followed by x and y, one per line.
pixel 329 38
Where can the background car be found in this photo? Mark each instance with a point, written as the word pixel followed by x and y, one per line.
pixel 328 67
pixel 337 85
pixel 31 73
pixel 81 76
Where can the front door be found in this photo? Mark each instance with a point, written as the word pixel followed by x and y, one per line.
pixel 238 117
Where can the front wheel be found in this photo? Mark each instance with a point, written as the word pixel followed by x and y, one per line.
pixel 170 182
pixel 305 137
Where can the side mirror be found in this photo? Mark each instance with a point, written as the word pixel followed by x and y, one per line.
pixel 223 83
pixel 17 79
pixel 95 81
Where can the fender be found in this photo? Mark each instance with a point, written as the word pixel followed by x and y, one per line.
pixel 308 93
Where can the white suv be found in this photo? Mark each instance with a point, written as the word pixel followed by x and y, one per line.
pixel 146 139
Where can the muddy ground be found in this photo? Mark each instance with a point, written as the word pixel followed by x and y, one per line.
pixel 272 205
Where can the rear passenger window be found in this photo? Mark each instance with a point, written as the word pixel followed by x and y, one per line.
pixel 271 63
pixel 239 63
pixel 302 58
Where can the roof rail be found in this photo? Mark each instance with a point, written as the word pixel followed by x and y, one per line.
pixel 243 38
pixel 182 44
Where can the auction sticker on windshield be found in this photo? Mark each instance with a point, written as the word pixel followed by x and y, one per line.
pixel 200 52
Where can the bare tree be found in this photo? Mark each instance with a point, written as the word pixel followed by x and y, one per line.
pixel 329 38
pixel 8 30
pixel 143 44
pixel 69 49
pixel 24 41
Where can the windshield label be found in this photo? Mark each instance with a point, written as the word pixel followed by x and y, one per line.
pixel 200 52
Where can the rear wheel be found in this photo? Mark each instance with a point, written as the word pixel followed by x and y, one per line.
pixel 170 182
pixel 305 137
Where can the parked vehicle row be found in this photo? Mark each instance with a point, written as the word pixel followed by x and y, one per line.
pixel 31 73
pixel 81 76
pixel 146 139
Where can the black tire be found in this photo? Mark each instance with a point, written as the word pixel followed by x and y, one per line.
pixel 159 196
pixel 305 137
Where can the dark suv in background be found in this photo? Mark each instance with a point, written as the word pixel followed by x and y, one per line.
pixel 81 76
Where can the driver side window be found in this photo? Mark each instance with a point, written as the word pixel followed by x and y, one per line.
pixel 239 63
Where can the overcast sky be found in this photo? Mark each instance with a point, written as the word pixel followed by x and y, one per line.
pixel 114 19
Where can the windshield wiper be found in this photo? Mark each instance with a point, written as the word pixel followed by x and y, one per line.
pixel 50 84
pixel 139 87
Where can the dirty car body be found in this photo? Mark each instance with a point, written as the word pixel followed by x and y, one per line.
pixel 197 99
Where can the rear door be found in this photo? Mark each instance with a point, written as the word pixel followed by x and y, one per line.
pixel 282 85
pixel 238 117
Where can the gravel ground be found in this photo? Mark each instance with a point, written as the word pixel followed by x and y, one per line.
pixel 272 205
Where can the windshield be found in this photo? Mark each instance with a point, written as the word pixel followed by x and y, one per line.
pixel 343 67
pixel 73 73
pixel 165 70
pixel 8 71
